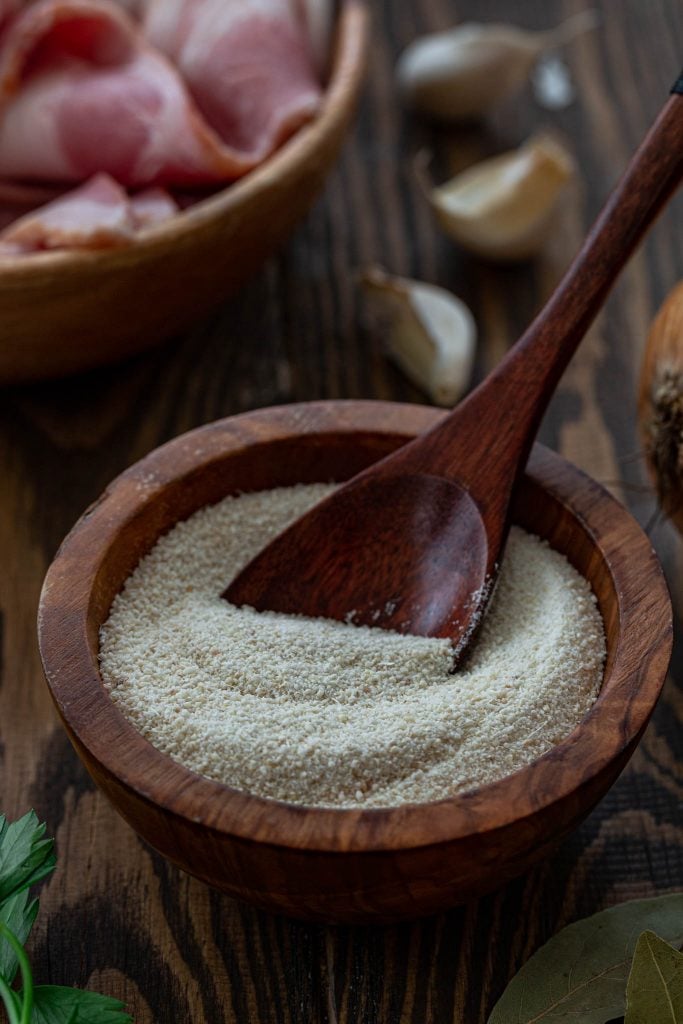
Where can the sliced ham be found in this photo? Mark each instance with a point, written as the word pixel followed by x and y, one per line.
pixel 21 196
pixel 152 206
pixel 248 65
pixel 7 8
pixel 318 17
pixel 134 7
pixel 98 215
pixel 81 91
pixel 17 199
pixel 85 95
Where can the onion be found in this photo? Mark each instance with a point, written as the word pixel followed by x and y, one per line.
pixel 660 405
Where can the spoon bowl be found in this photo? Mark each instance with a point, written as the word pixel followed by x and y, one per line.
pixel 420 539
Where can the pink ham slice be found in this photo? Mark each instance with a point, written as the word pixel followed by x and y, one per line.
pixel 17 199
pixel 318 17
pixel 7 7
pixel 248 65
pixel 81 91
pixel 152 206
pixel 98 215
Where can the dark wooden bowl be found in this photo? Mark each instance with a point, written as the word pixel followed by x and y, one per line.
pixel 64 312
pixel 349 865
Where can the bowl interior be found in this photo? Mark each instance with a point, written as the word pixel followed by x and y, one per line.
pixel 321 459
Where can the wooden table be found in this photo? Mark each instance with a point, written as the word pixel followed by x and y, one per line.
pixel 117 917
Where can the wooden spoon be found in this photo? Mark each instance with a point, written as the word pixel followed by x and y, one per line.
pixel 414 543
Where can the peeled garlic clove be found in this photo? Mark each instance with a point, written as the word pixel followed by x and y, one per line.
pixel 463 72
pixel 430 333
pixel 502 208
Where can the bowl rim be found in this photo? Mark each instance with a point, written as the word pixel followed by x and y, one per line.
pixel 346 67
pixel 613 724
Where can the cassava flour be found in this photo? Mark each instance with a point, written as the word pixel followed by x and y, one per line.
pixel 328 714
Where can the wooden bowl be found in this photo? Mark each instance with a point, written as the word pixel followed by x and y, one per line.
pixel 69 311
pixel 347 865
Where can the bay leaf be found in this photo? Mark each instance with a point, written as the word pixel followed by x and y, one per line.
pixel 581 973
pixel 654 993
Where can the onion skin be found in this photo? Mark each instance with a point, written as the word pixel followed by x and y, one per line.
pixel 660 405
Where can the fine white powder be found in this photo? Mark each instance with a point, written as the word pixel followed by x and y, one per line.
pixel 328 714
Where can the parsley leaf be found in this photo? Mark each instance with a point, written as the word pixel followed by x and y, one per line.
pixel 18 913
pixel 11 1001
pixel 25 856
pixel 53 1004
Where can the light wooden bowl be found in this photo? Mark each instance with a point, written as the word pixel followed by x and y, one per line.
pixel 347 865
pixel 69 311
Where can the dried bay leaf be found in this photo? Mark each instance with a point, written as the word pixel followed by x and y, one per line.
pixel 581 973
pixel 654 994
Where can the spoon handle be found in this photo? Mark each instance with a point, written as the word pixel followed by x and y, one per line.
pixel 508 406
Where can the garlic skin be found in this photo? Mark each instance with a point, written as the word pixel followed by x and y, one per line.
pixel 429 333
pixel 502 208
pixel 551 83
pixel 660 405
pixel 462 73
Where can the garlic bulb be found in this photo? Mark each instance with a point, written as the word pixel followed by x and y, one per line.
pixel 660 404
pixel 502 208
pixel 430 334
pixel 460 74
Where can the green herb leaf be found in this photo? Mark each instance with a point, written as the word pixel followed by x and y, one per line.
pixel 23 999
pixel 53 1004
pixel 25 857
pixel 18 913
pixel 654 994
pixel 580 975
pixel 11 1002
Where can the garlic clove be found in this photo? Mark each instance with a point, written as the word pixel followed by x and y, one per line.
pixel 430 334
pixel 502 208
pixel 460 74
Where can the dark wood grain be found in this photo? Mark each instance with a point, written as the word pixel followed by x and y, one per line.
pixel 414 542
pixel 116 915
